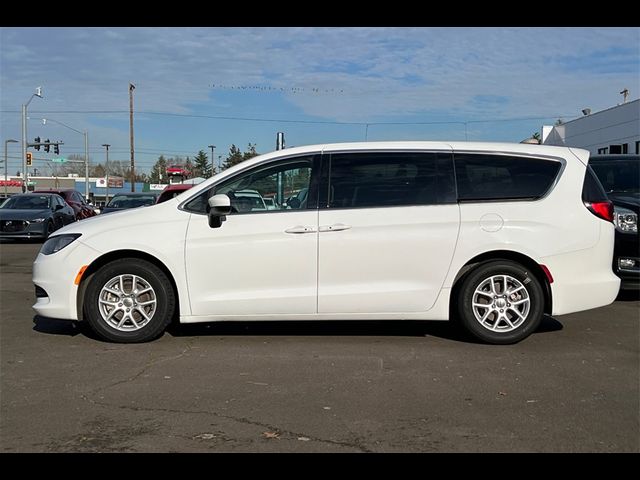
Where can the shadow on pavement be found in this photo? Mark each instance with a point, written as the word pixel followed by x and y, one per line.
pixel 389 328
pixel 62 327
pixel 628 296
pixel 314 328
pixel 362 328
pixel 549 324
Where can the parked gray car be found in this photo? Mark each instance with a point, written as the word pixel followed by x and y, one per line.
pixel 32 215
pixel 124 201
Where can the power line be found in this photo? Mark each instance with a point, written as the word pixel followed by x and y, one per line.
pixel 275 120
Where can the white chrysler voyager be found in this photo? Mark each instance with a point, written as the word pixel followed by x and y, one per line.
pixel 490 235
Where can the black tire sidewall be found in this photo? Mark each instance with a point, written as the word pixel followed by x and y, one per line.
pixel 165 298
pixel 499 267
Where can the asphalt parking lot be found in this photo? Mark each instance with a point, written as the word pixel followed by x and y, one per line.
pixel 315 387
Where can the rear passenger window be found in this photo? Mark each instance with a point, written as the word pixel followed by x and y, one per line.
pixel 498 177
pixel 592 190
pixel 358 180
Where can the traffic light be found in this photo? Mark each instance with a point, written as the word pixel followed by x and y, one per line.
pixel 37 145
pixel 29 159
pixel 56 149
pixel 46 145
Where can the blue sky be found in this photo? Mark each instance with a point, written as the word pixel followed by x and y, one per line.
pixel 317 85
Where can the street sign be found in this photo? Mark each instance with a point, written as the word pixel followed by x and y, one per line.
pixel 59 160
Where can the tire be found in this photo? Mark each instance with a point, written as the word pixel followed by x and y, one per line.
pixel 129 317
pixel 510 316
pixel 50 229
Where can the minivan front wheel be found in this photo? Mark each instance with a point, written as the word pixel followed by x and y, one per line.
pixel 129 301
pixel 500 302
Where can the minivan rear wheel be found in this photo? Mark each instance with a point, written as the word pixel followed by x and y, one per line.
pixel 129 300
pixel 500 302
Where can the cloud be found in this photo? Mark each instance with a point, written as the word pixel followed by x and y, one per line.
pixel 341 74
pixel 381 71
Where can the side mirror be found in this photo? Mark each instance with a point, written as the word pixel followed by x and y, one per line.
pixel 218 207
pixel 58 207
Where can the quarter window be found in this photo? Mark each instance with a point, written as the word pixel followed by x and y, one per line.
pixel 361 180
pixel 497 177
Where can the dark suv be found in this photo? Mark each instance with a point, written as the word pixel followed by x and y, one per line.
pixel 620 177
pixel 75 200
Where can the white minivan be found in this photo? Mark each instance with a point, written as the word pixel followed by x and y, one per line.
pixel 491 235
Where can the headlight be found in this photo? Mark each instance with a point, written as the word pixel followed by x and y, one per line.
pixel 625 220
pixel 37 220
pixel 57 243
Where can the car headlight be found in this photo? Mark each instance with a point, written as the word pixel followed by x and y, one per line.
pixel 57 243
pixel 625 220
pixel 37 220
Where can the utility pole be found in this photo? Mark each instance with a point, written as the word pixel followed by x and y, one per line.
pixel 133 164
pixel 86 165
pixel 24 145
pixel 213 160
pixel 11 140
pixel 106 172
pixel 24 134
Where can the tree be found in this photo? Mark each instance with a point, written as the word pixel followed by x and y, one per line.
pixel 159 171
pixel 189 166
pixel 250 152
pixel 235 156
pixel 97 171
pixel 201 165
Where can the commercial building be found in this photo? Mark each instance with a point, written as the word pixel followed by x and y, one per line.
pixel 613 130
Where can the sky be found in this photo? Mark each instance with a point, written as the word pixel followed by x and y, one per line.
pixel 220 86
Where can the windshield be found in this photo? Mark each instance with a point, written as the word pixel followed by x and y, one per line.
pixel 618 176
pixel 131 201
pixel 27 202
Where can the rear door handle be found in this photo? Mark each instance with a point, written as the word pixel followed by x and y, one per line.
pixel 336 227
pixel 301 229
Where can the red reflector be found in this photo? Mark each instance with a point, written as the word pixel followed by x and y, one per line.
pixel 547 273
pixel 603 210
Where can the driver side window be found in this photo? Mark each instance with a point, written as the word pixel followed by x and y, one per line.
pixel 284 186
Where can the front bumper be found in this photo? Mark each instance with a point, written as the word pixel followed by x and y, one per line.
pixel 55 274
pixel 22 229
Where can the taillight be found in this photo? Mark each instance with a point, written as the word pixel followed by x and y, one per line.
pixel 595 198
pixel 602 210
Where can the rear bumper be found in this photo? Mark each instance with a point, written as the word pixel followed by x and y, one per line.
pixel 630 283
pixel 627 247
pixel 584 279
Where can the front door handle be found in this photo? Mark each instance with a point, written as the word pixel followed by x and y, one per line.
pixel 336 227
pixel 300 229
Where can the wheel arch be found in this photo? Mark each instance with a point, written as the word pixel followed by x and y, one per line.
pixel 115 255
pixel 524 260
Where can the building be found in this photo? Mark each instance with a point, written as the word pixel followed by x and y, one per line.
pixel 614 130
pixel 97 186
